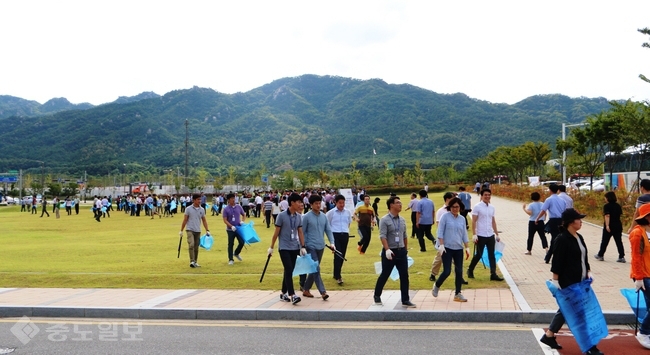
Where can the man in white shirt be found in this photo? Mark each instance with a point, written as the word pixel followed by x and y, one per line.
pixel 340 219
pixel 258 205
pixel 284 205
pixel 563 195
pixel 485 234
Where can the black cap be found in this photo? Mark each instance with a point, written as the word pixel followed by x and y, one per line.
pixel 569 215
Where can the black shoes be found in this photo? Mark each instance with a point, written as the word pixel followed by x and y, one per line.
pixel 496 277
pixel 552 342
pixel 408 304
pixel 594 351
pixel 378 300
pixel 432 277
pixel 465 282
pixel 470 274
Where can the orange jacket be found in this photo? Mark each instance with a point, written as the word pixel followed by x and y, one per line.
pixel 640 251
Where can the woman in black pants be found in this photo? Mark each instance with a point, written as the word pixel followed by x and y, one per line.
pixel 570 266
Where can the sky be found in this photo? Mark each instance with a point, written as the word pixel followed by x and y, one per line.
pixel 497 51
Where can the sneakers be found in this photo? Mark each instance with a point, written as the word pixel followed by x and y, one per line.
pixel 307 294
pixel 470 274
pixel 435 290
pixel 284 297
pixel 295 299
pixel 239 257
pixel 644 340
pixel 460 298
pixel 324 296
pixel 196 264
pixel 598 257
pixel 378 300
pixel 528 253
pixel 432 277
pixel 231 262
pixel 496 277
pixel 192 264
pixel 550 341
pixel 339 281
pixel 620 260
pixel 408 304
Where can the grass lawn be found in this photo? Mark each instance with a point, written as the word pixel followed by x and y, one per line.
pixel 138 252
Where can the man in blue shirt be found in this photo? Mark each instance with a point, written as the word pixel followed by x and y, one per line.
pixel 554 206
pixel 424 220
pixel 314 226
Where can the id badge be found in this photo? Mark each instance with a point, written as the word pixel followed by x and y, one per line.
pixel 233 218
pixel 396 239
pixel 294 235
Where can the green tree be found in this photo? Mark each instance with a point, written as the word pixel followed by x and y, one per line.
pixel 54 188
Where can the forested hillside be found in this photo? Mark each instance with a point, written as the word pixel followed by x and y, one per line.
pixel 307 122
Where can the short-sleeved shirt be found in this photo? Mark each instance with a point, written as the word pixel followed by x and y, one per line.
pixel 393 229
pixel 466 199
pixel 195 214
pixel 365 214
pixel 614 211
pixel 425 207
pixel 483 214
pixel 568 201
pixel 642 200
pixel 555 206
pixel 413 204
pixel 268 205
pixel 440 212
pixel 289 225
pixel 233 215
pixel 535 208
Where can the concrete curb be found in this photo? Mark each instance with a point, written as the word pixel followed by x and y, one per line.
pixel 532 317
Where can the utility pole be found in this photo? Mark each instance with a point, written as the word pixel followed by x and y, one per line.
pixel 20 186
pixel 42 179
pixel 187 141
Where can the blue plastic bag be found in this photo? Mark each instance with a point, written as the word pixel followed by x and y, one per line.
pixel 248 233
pixel 104 209
pixel 582 312
pixel 394 274
pixel 172 205
pixel 631 295
pixel 206 242
pixel 498 253
pixel 305 265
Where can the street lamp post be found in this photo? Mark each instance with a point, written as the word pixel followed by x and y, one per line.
pixel 564 127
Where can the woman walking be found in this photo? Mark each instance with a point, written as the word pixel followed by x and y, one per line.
pixel 570 266
pixel 640 270
pixel 612 227
pixel 452 236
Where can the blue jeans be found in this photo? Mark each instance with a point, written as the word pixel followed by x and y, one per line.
pixel 645 325
pixel 316 254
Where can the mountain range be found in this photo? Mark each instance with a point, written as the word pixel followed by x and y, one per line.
pixel 305 123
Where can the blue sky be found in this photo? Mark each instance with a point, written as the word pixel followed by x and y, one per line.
pixel 499 51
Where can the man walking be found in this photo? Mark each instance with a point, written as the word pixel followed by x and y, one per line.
pixel 315 225
pixel 365 217
pixel 44 210
pixel 424 220
pixel 485 234
pixel 288 228
pixel 340 219
pixel 392 233
pixel 554 206
pixel 194 215
pixel 233 215
pixel 413 206
pixel 466 198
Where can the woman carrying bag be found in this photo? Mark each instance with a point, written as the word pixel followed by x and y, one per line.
pixel 640 267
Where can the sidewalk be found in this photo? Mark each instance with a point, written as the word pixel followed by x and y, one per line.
pixel 527 300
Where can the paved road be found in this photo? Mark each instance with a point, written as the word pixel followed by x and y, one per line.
pixel 196 337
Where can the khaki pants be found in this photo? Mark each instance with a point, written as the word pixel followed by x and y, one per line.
pixel 193 239
pixel 437 263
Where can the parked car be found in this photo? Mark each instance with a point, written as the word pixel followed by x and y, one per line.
pixel 597 185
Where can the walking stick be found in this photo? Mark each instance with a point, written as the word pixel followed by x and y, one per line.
pixel 265 266
pixel 179 247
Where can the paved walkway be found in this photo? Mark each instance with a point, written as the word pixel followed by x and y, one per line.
pixel 526 300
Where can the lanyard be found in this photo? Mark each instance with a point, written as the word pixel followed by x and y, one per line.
pixel 396 226
pixel 292 221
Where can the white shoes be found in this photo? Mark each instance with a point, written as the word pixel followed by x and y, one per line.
pixel 644 340
pixel 231 262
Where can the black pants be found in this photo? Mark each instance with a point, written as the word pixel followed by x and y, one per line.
pixel 289 263
pixel 76 208
pixel 366 233
pixel 482 243
pixel 557 322
pixel 341 244
pixel 247 210
pixel 457 256
pixel 617 239
pixel 44 211
pixel 267 216
pixel 464 213
pixel 231 244
pixel 424 230
pixel 258 211
pixel 399 261
pixel 553 226
pixel 414 229
pixel 536 228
